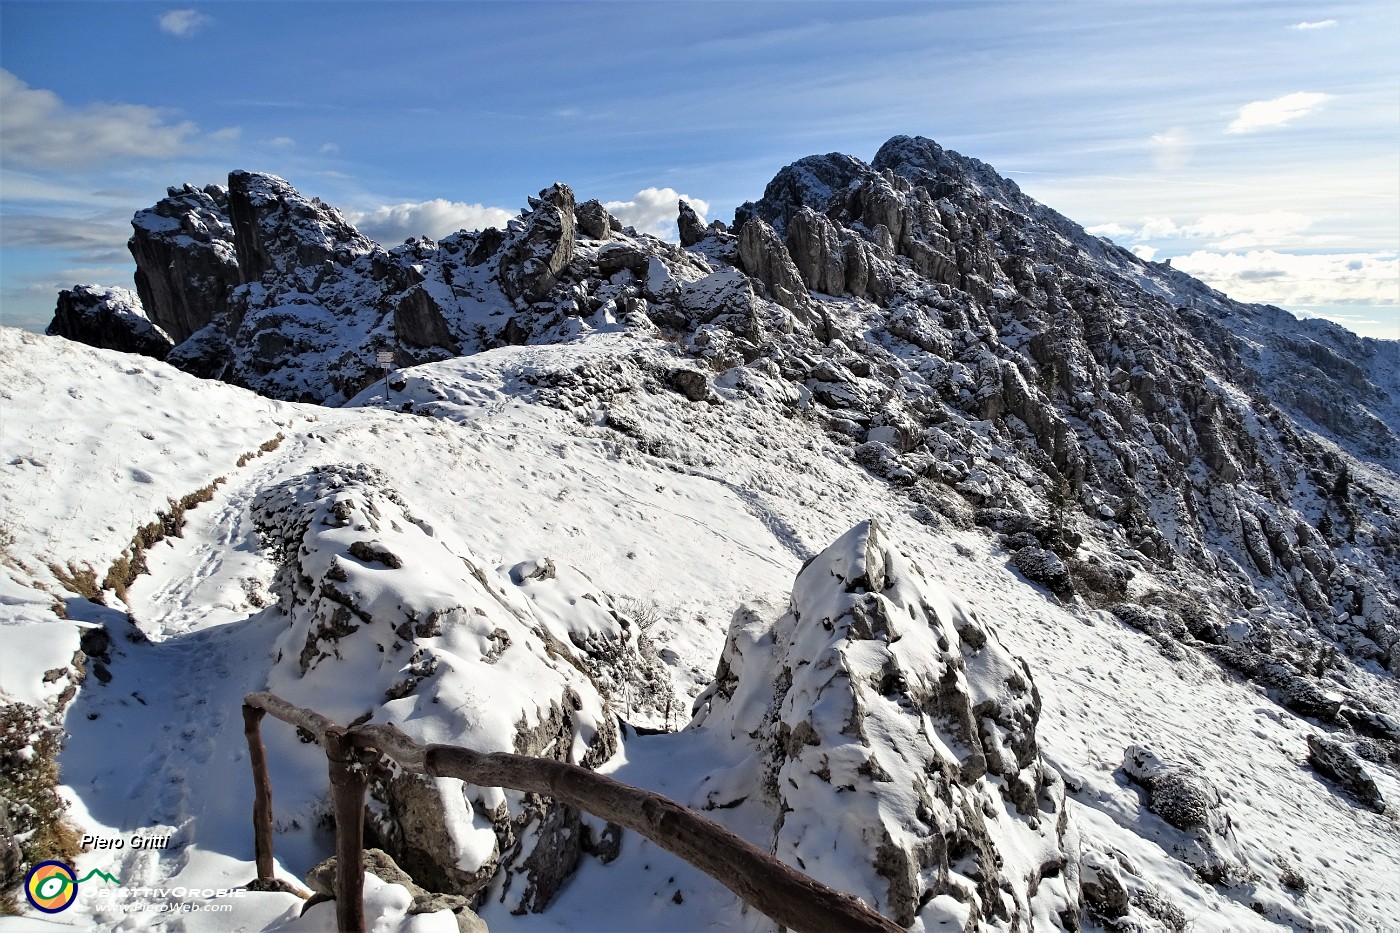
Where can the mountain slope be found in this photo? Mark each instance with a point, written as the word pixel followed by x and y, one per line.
pixel 1005 583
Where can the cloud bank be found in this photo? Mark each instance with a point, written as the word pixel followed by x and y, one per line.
pixel 394 223
pixel 1273 277
pixel 653 210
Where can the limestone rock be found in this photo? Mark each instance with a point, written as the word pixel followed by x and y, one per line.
pixel 538 251
pixel 110 318
pixel 764 257
pixel 879 698
pixel 1334 760
pixel 278 230
pixel 454 627
pixel 419 322
pixel 186 263
pixel 321 879
pixel 692 228
pixel 593 219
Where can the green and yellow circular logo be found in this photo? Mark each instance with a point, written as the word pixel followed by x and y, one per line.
pixel 51 887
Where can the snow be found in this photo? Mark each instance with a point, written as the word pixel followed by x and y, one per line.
pixel 700 509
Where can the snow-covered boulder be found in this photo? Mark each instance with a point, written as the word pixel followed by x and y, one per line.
pixel 108 318
pixel 897 739
pixel 393 622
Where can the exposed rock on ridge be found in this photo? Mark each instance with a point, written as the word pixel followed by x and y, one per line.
pixel 110 318
pixel 879 705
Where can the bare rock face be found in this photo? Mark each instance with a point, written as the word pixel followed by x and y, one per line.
pixel 764 257
pixel 692 228
pixel 110 318
pixel 186 264
pixel 540 246
pixel 817 251
pixel 593 220
pixel 419 322
pixel 898 735
pixel 458 654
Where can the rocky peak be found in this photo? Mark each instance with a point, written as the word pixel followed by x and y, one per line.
pixel 540 245
pixel 277 229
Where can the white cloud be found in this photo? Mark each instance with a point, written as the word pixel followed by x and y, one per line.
pixel 281 142
pixel 394 223
pixel 654 210
pixel 41 130
pixel 1320 24
pixel 1171 149
pixel 1143 251
pixel 329 149
pixel 1277 112
pixel 229 134
pixel 1296 279
pixel 182 23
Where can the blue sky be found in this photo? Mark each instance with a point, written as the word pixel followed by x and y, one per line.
pixel 1255 144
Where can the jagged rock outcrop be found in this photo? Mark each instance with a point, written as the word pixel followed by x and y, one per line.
pixel 539 246
pixel 692 228
pixel 374 596
pixel 278 230
pixel 879 705
pixel 186 263
pixel 764 257
pixel 110 318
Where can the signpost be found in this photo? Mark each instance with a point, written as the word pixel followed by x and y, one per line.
pixel 385 358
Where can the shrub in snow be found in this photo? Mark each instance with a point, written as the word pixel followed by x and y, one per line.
pixel 1046 568
pixel 1190 803
pixel 35 825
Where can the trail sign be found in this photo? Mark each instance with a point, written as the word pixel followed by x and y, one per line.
pixel 384 357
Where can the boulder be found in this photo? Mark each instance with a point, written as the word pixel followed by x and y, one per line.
pixel 109 318
pixel 322 878
pixel 592 218
pixel 1335 761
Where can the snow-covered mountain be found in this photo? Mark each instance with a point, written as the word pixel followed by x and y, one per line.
pixel 955 556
